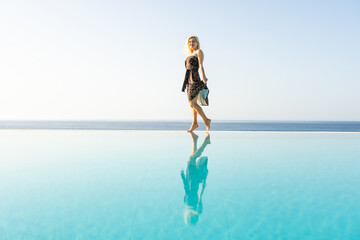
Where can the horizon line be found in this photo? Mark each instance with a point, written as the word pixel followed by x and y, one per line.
pixel 163 120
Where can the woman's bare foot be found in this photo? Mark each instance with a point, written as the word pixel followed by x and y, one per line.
pixel 193 127
pixel 207 124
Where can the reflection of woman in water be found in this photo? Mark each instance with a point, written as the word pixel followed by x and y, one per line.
pixel 195 180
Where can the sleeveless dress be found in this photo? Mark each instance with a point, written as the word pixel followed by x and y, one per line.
pixel 192 79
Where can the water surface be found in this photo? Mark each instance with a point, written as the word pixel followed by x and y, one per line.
pixel 142 185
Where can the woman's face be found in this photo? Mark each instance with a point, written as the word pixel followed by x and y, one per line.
pixel 193 44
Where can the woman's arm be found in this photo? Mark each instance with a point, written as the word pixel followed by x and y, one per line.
pixel 201 59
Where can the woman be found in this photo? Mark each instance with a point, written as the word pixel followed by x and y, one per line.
pixel 192 80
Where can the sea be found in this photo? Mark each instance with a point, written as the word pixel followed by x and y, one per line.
pixel 306 126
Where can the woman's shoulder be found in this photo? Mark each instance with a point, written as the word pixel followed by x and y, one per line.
pixel 198 52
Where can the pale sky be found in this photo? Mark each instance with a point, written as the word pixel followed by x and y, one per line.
pixel 124 60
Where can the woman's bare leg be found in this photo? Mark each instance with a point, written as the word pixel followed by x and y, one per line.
pixel 194 124
pixel 198 109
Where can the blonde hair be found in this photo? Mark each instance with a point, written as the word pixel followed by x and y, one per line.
pixel 187 47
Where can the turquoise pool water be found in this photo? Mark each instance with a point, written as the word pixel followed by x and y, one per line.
pixel 72 184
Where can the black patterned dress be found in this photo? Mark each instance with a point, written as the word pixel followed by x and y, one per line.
pixel 192 79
